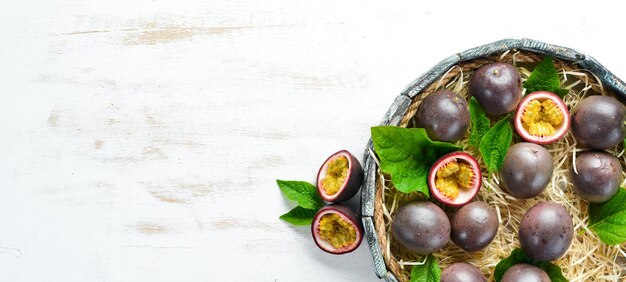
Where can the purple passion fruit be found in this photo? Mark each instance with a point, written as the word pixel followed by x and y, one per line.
pixel 455 179
pixel 526 170
pixel 340 177
pixel 444 115
pixel 497 87
pixel 523 272
pixel 336 229
pixel 421 227
pixel 542 118
pixel 546 231
pixel 597 177
pixel 599 122
pixel 474 226
pixel 462 272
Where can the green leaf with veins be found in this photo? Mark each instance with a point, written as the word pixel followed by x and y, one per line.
pixel 518 256
pixel 299 216
pixel 407 155
pixel 302 192
pixel 479 123
pixel 495 143
pixel 608 219
pixel 545 78
pixel 427 272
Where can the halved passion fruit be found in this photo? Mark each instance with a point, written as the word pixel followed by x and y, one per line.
pixel 455 178
pixel 542 118
pixel 336 229
pixel 340 177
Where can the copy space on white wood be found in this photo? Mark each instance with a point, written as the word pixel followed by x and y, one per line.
pixel 140 140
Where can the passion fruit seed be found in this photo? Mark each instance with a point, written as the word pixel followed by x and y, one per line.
pixel 452 176
pixel 335 230
pixel 523 272
pixel 462 272
pixel 421 227
pixel 541 118
pixel 335 175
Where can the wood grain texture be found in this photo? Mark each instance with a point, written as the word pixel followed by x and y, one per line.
pixel 141 140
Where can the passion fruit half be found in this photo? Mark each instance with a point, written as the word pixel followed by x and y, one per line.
pixel 542 118
pixel 336 229
pixel 455 179
pixel 340 177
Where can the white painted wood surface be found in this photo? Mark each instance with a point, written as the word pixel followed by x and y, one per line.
pixel 141 139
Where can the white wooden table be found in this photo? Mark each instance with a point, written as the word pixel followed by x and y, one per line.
pixel 141 139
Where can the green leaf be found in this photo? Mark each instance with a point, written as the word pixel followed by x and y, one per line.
pixel 495 143
pixel 407 154
pixel 427 272
pixel 479 123
pixel 544 77
pixel 518 256
pixel 299 216
pixel 302 192
pixel 608 219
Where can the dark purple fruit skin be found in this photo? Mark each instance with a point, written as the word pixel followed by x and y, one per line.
pixel 599 176
pixel 546 231
pixel 497 87
pixel 526 170
pixel 474 226
pixel 444 115
pixel 523 272
pixel 462 272
pixel 354 181
pixel 421 227
pixel 350 214
pixel 598 122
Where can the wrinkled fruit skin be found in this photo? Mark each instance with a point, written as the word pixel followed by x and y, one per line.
pixel 526 170
pixel 546 231
pixel 444 115
pixel 352 218
pixel 598 122
pixel 462 272
pixel 354 180
pixel 599 176
pixel 421 227
pixel 497 87
pixel 525 273
pixel 474 226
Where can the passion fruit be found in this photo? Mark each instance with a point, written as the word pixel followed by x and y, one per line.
pixel 421 227
pixel 336 229
pixel 599 122
pixel 474 226
pixel 542 118
pixel 546 231
pixel 462 272
pixel 497 87
pixel 523 272
pixel 340 177
pixel 597 177
pixel 455 179
pixel 445 116
pixel 526 170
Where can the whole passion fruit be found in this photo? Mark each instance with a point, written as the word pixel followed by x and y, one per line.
pixel 455 179
pixel 542 118
pixel 462 272
pixel 597 177
pixel 599 122
pixel 497 87
pixel 474 226
pixel 546 231
pixel 340 177
pixel 336 229
pixel 421 227
pixel 445 116
pixel 526 170
pixel 523 272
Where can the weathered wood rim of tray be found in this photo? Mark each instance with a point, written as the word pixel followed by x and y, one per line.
pixel 401 104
